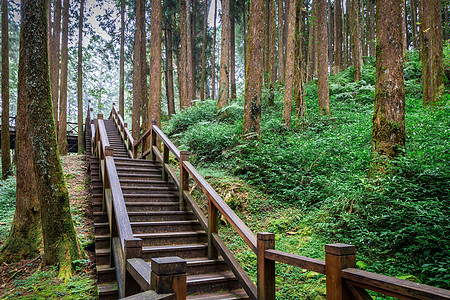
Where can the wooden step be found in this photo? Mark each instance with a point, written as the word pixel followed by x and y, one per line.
pixel 108 291
pixel 102 241
pixel 152 206
pixel 105 274
pixel 204 265
pixel 156 189
pixel 145 183
pixel 165 226
pixel 102 256
pixel 172 238
pixel 208 283
pixel 101 228
pixel 183 251
pixel 155 197
pixel 231 295
pixel 153 216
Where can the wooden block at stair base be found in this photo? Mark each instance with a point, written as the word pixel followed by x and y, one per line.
pixel 338 257
pixel 169 276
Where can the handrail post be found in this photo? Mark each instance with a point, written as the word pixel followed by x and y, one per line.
pixel 338 257
pixel 213 227
pixel 169 276
pixel 265 267
pixel 165 161
pixel 184 178
pixel 153 141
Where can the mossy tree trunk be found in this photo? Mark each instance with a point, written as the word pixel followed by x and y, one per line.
pixel 224 80
pixel 60 240
pixel 338 38
pixel 232 53
pixel 62 133
pixel 169 67
pixel 355 39
pixel 290 64
pixel 273 51
pixel 205 27
pixel 155 63
pixel 25 237
pixel 6 155
pixel 299 71
pixel 388 131
pixel 122 59
pixel 413 9
pixel 254 70
pixel 182 58
pixel 189 55
pixel 280 41
pixel 322 45
pixel 80 80
pixel 54 57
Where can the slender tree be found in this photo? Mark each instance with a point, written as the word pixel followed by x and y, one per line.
pixel 54 59
pixel 355 39
pixel 169 67
pixel 183 56
pixel 155 63
pixel 330 34
pixel 60 240
pixel 143 65
pixel 137 82
pixel 280 41
pixel 232 53
pixel 213 59
pixel 80 80
pixel 323 88
pixel 289 75
pixel 62 133
pixel 338 38
pixel 312 41
pixel 6 154
pixel 189 55
pixel 272 76
pixel 299 69
pixel 254 70
pixel 205 27
pixel 122 59
pixel 413 8
pixel 388 131
pixel 224 80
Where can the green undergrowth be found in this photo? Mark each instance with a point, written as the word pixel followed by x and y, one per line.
pixel 7 205
pixel 315 177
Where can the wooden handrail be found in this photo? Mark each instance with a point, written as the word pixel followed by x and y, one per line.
pixel 166 141
pixel 295 260
pixel 391 286
pixel 124 132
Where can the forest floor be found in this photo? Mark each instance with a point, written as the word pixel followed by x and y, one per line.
pixel 28 279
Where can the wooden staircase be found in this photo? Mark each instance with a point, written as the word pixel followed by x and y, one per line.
pixel 153 209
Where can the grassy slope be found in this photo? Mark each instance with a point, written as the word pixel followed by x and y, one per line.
pixel 310 185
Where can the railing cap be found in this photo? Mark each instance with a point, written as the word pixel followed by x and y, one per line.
pixel 266 236
pixel 100 116
pixel 168 265
pixel 340 249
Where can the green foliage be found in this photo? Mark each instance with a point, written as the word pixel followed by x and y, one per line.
pixel 7 205
pixel 205 111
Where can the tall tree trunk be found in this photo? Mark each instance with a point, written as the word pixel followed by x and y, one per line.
pixel 267 66
pixel 286 29
pixel 25 238
pixel 80 80
pixel 155 63
pixel 388 131
pixel 355 39
pixel 194 48
pixel 413 8
pixel 169 69
pixel 49 28
pixel 62 134
pixel 224 81
pixel 184 102
pixel 60 239
pixel 330 34
pixel 300 103
pixel 273 50
pixel 54 73
pixel 205 26
pixel 371 33
pixel 244 18
pixel 190 67
pixel 363 31
pixel 312 41
pixel 137 90
pixel 404 29
pixel 338 38
pixel 122 60
pixel 253 70
pixel 290 63
pixel 6 154
pixel 323 87
pixel 346 51
pixel 143 72
pixel 280 41
pixel 213 59
pixel 232 54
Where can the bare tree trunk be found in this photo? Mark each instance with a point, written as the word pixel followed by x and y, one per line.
pixel 143 72
pixel 25 238
pixel 290 63
pixel 205 26
pixel 415 38
pixel 232 54
pixel 54 73
pixel 371 37
pixel 280 41
pixel 300 103
pixel 169 68
pixel 244 17
pixel 312 42
pixel 122 60
pixel 62 134
pixel 286 28
pixel 363 32
pixel 194 48
pixel 224 82
pixel 49 28
pixel 184 102
pixel 346 35
pixel 155 63
pixel 330 35
pixel 273 50
pixel 6 154
pixel 388 131
pixel 137 90
pixel 323 87
pixel 213 59
pixel 80 80
pixel 190 68
pixel 338 38
pixel 267 65
pixel 60 239
pixel 404 29
pixel 254 72
pixel 355 39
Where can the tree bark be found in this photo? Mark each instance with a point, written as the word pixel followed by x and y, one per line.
pixel 300 103
pixel 137 90
pixel 184 103
pixel 338 38
pixel 388 131
pixel 355 39
pixel 323 87
pixel 122 60
pixel 169 68
pixel 62 133
pixel 6 154
pixel 280 41
pixel 190 67
pixel 155 63
pixel 60 240
pixel 80 80
pixel 267 65
pixel 143 72
pixel 232 54
pixel 244 19
pixel 213 59
pixel 203 78
pixel 312 41
pixel 290 63
pixel 224 81
pixel 253 70
pixel 330 34
pixel 415 38
pixel 404 29
pixel 371 33
pixel 273 51
pixel 54 73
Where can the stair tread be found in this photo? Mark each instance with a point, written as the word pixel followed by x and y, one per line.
pixel 155 223
pixel 230 295
pixel 107 288
pixel 173 247
pixel 105 268
pixel 202 278
pixel 167 234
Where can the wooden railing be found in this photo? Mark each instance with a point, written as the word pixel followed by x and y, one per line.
pixel 123 130
pixel 343 281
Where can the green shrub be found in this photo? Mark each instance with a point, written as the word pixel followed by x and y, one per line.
pixel 205 111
